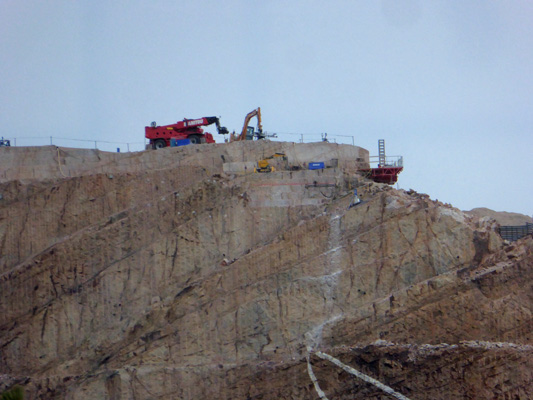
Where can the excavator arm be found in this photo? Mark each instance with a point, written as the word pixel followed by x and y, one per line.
pixel 249 116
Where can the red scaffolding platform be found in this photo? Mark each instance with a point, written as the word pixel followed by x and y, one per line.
pixel 385 174
pixel 388 167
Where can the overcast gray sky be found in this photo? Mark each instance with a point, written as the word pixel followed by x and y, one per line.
pixel 448 84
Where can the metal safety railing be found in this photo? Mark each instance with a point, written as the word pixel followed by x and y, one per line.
pixel 314 137
pixel 512 233
pixel 390 161
pixel 140 145
pixel 107 145
pixel 104 145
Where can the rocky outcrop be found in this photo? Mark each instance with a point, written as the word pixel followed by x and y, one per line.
pixel 190 282
pixel 501 217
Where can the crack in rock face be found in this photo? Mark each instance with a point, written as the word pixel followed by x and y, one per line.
pixel 187 275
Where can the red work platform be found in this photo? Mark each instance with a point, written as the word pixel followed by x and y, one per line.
pixel 385 174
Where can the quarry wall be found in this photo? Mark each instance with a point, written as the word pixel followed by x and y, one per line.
pixel 165 274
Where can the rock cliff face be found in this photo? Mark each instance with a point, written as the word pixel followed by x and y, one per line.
pixel 501 217
pixel 179 273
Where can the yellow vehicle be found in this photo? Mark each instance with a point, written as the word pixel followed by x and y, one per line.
pixel 264 165
pixel 248 132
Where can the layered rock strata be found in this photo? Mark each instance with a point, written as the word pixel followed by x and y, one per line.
pixel 184 281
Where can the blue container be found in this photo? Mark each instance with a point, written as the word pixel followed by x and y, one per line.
pixel 179 142
pixel 316 165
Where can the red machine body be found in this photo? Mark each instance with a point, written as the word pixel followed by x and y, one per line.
pixel 160 136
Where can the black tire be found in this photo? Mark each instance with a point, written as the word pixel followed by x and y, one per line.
pixel 160 144
pixel 195 139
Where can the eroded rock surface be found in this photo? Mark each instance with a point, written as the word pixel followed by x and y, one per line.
pixel 501 217
pixel 199 279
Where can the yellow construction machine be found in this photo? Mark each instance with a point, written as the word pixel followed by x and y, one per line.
pixel 264 165
pixel 248 132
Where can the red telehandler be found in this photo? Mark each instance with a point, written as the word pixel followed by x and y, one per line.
pixel 187 129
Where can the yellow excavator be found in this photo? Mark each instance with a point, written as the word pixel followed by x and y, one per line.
pixel 248 132
pixel 264 165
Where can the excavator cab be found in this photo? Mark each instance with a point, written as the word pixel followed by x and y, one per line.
pixel 250 133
